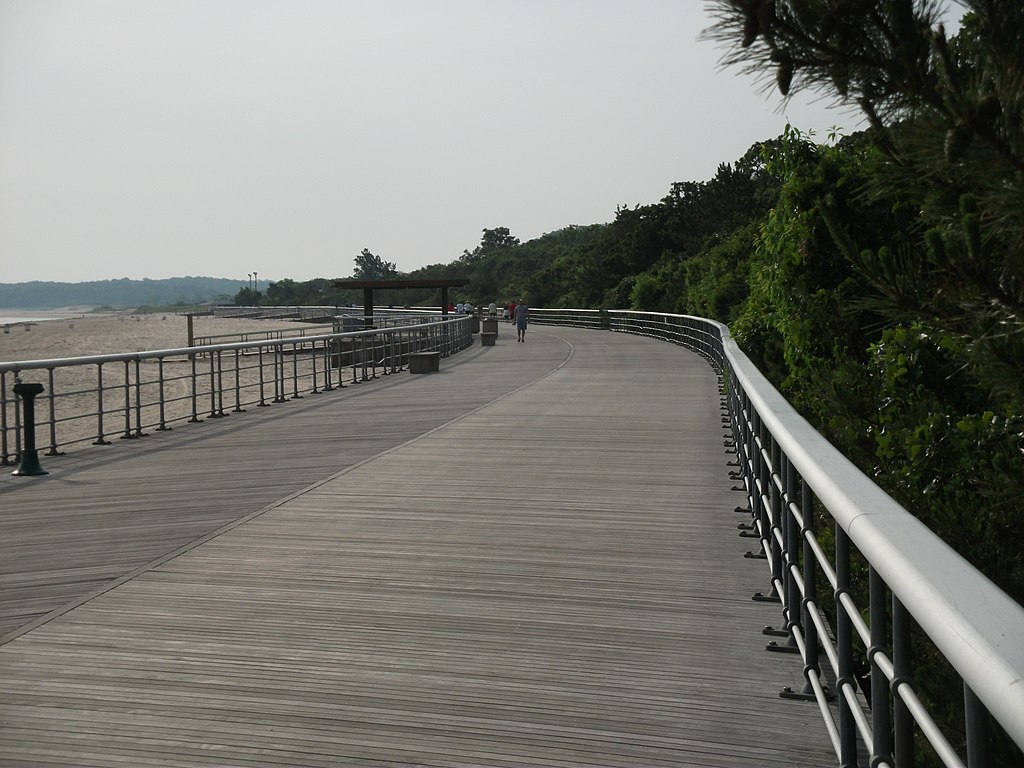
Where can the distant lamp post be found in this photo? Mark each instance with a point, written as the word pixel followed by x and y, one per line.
pixel 250 280
pixel 256 280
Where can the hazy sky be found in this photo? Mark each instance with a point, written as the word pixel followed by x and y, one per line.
pixel 160 138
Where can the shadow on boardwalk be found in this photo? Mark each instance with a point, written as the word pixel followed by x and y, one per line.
pixel 529 558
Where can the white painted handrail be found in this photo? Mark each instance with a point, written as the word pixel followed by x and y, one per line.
pixel 977 627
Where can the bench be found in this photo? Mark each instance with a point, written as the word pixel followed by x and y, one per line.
pixel 487 339
pixel 424 362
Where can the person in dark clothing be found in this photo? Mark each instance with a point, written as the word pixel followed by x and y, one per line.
pixel 522 315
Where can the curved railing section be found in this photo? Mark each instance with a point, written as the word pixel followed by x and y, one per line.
pixel 93 399
pixel 857 638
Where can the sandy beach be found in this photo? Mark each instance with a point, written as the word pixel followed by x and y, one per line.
pixel 101 334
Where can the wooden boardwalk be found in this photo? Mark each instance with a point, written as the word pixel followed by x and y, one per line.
pixel 527 559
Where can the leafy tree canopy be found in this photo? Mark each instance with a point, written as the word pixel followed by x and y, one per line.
pixel 369 266
pixel 497 238
pixel 948 119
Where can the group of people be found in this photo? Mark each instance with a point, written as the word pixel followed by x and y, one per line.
pixel 516 312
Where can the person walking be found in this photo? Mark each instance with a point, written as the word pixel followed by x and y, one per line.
pixel 522 317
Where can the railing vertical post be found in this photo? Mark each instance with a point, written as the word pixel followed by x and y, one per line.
pixel 263 381
pixel 195 389
pixel 903 720
pixel 51 398
pixel 238 383
pixel 810 598
pixel 138 398
pixel 214 389
pixel 279 374
pixel 340 346
pixel 127 403
pixel 161 384
pixel 353 357
pixel 753 472
pixel 976 725
pixel 790 591
pixel 5 456
pixel 17 420
pixel 295 372
pixel 844 639
pixel 881 723
pixel 277 379
pixel 220 384
pixel 312 358
pixel 100 437
pixel 791 553
pixel 328 384
pixel 775 502
pixel 771 512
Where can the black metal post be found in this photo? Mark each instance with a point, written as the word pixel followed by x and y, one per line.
pixel 163 416
pixel 53 417
pixel 127 388
pixel 976 721
pixel 29 455
pixel 262 403
pixel 881 718
pixel 138 399
pixel 903 721
pixel 100 437
pixel 295 372
pixel 844 639
pixel 5 457
pixel 312 360
pixel 238 385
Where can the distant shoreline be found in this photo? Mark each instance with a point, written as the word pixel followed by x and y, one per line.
pixel 23 316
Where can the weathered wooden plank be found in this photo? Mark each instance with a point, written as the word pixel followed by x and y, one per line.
pixel 104 511
pixel 552 578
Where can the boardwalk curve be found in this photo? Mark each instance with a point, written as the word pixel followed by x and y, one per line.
pixel 537 566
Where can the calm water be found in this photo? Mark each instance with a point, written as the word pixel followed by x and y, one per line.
pixel 11 316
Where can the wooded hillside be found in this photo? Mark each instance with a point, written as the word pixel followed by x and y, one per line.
pixel 117 293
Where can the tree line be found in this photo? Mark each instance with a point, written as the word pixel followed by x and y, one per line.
pixel 174 291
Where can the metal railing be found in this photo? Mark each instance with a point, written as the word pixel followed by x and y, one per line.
pixel 579 318
pixel 791 476
pixel 93 399
pixel 293 312
pixel 338 323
